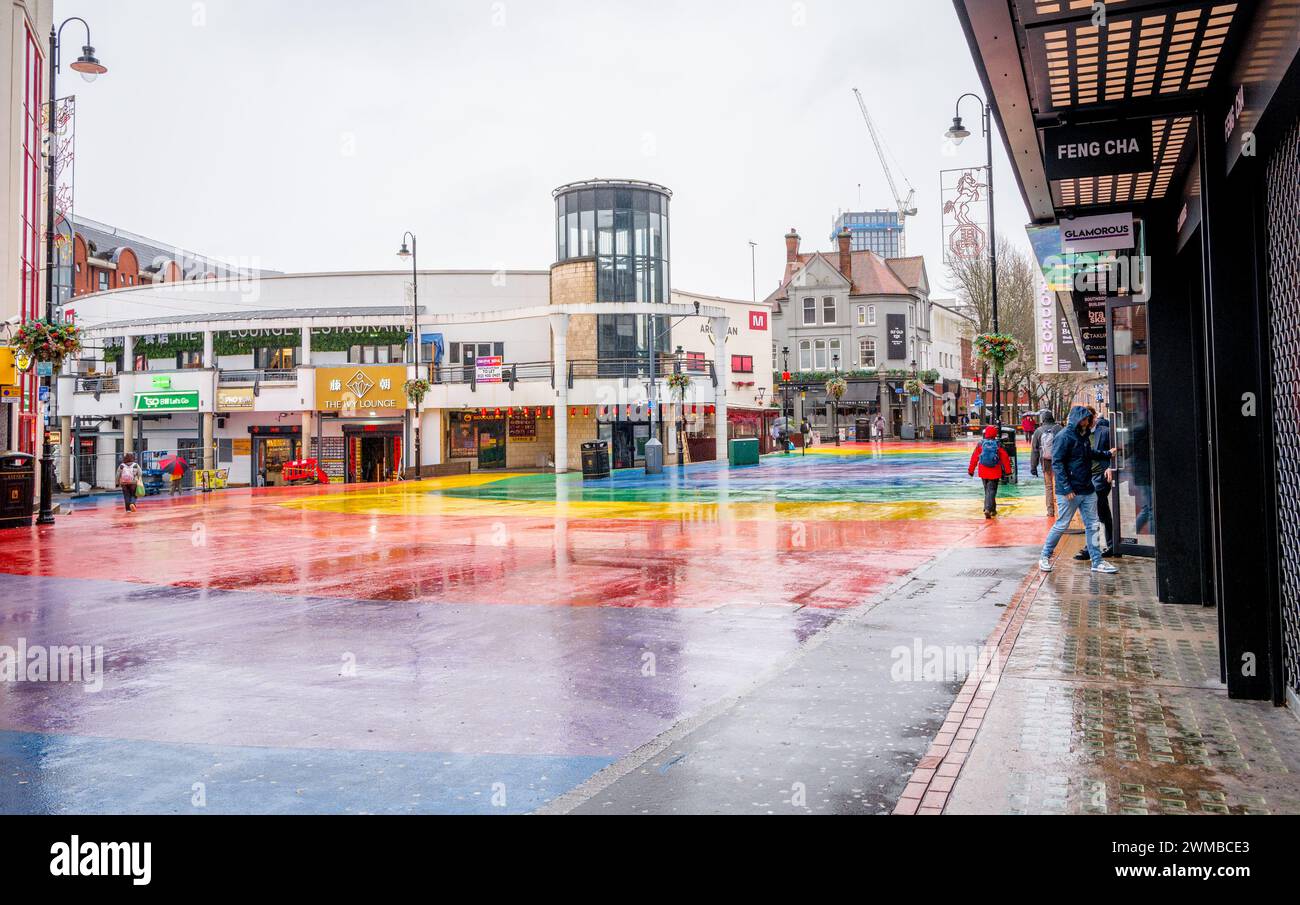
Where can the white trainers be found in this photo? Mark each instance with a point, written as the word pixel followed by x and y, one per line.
pixel 1105 568
pixel 1045 565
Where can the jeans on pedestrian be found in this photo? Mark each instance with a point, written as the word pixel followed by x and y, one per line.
pixel 991 494
pixel 128 495
pixel 1086 505
pixel 1102 487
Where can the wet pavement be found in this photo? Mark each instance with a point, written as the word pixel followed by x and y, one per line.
pixel 1111 703
pixel 504 643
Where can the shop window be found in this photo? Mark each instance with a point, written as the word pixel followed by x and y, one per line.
pixel 809 311
pixel 828 311
pixel 189 359
pixel 102 280
pixel 696 361
pixel 742 364
pixel 370 355
pixel 275 359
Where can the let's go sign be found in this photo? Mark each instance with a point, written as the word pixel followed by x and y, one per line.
pixel 167 402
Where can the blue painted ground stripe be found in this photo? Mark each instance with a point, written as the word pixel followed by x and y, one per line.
pixel 68 774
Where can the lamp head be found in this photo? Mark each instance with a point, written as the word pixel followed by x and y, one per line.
pixel 88 65
pixel 957 133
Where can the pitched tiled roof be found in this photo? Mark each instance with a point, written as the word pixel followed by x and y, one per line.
pixel 872 274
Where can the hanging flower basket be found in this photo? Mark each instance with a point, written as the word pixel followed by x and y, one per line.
pixel 416 389
pixel 678 384
pixel 913 387
pixel 998 349
pixel 836 387
pixel 44 341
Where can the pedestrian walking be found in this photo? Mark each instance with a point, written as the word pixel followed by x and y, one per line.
pixel 992 462
pixel 128 479
pixel 1028 425
pixel 1040 456
pixel 1101 440
pixel 878 428
pixel 1072 458
pixel 805 429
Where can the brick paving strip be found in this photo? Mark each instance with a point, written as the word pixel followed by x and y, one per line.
pixel 935 775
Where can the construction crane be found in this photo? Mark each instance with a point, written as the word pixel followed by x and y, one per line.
pixel 906 206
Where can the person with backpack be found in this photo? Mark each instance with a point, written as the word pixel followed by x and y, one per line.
pixel 128 478
pixel 993 463
pixel 1101 440
pixel 1040 452
pixel 1072 459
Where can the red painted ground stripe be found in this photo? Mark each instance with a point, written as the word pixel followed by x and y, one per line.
pixel 935 775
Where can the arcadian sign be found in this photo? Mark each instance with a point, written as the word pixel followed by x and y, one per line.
pixel 187 401
pixel 365 389
pixel 1098 149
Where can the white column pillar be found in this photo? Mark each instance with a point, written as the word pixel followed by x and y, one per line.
pixel 128 353
pixel 128 434
pixel 209 357
pixel 560 361
pixel 209 450
pixel 305 352
pixel 65 451
pixel 722 369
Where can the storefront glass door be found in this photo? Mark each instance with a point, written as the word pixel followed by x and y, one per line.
pixel 1131 421
pixel 491 444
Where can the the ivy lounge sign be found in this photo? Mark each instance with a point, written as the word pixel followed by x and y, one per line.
pixel 167 402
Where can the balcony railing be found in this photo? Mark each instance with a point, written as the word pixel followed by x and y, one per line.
pixel 637 369
pixel 98 385
pixel 283 375
pixel 512 373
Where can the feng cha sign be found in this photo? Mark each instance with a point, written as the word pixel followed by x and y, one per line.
pixel 1098 149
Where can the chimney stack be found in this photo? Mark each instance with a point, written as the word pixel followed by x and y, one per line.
pixel 845 239
pixel 791 246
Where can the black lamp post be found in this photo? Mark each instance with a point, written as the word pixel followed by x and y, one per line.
pixel 835 403
pixel 785 390
pixel 957 133
pixel 90 69
pixel 679 359
pixel 404 252
pixel 916 407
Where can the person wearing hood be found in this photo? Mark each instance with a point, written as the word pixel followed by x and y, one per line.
pixel 1101 439
pixel 1040 453
pixel 1072 460
pixel 992 461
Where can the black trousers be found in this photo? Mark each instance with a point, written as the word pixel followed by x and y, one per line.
pixel 1103 509
pixel 991 494
pixel 128 495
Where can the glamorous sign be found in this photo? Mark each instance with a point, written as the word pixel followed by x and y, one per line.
pixel 1108 232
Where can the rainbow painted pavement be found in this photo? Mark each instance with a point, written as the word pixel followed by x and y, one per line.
pixel 406 647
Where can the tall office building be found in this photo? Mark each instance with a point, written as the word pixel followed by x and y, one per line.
pixel 878 231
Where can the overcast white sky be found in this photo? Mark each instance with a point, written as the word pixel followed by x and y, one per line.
pixel 311 135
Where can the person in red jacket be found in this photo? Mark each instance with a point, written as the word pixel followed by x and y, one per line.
pixel 992 461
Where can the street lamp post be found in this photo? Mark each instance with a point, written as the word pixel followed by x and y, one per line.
pixel 957 133
pixel 90 69
pixel 835 403
pixel 785 393
pixel 916 406
pixel 404 252
pixel 679 359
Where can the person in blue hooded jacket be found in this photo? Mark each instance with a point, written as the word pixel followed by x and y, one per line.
pixel 1072 460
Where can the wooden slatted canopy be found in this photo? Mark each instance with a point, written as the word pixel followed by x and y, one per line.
pixel 1058 61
